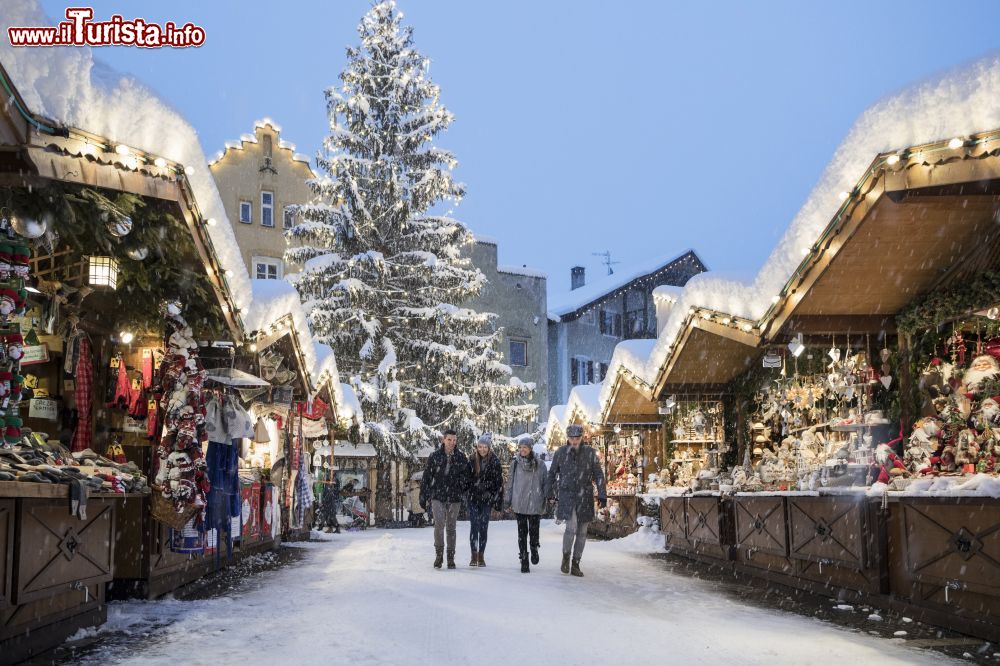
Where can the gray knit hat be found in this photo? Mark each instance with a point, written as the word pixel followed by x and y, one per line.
pixel 486 438
pixel 574 431
pixel 526 440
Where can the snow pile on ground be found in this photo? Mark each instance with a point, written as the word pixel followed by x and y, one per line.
pixel 68 86
pixel 646 540
pixel 372 598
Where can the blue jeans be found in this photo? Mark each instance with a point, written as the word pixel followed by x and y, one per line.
pixel 479 516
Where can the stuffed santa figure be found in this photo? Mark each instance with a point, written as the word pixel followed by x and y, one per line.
pixel 983 368
pixel 887 464
pixel 989 414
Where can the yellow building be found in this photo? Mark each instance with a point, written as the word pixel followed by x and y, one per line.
pixel 260 179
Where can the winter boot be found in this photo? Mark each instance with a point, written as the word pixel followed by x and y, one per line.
pixel 451 559
pixel 482 558
pixel 565 564
pixel 576 569
pixel 524 563
pixel 438 559
pixel 534 554
pixel 474 562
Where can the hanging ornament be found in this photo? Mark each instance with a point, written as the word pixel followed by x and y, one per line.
pixel 120 226
pixel 31 227
pixel 886 381
pixel 885 353
pixel 138 253
pixel 834 354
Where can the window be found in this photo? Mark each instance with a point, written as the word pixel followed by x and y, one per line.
pixel 581 371
pixel 602 371
pixel 288 220
pixel 611 323
pixel 635 315
pixel 266 145
pixel 246 212
pixel 519 352
pixel 267 209
pixel 267 268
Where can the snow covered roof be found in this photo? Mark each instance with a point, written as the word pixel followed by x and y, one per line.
pixel 252 138
pixel 556 423
pixel 347 450
pixel 66 85
pixel 485 240
pixel 585 400
pixel 522 270
pixel 569 303
pixel 958 103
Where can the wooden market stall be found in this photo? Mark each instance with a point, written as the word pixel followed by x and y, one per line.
pixel 864 474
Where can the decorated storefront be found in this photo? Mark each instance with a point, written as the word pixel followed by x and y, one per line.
pixel 864 420
pixel 128 373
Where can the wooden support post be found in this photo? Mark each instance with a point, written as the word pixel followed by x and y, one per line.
pixel 905 376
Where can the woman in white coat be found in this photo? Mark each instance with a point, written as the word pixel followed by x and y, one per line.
pixel 525 495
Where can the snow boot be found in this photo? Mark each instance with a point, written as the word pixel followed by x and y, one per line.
pixel 524 563
pixel 576 569
pixel 451 559
pixel 474 562
pixel 438 559
pixel 534 554
pixel 482 558
pixel 565 564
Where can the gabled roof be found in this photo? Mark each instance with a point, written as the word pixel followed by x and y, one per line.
pixel 245 139
pixel 571 304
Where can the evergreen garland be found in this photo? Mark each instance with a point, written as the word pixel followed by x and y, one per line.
pixel 172 270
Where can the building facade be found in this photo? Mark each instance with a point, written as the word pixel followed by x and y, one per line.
pixel 518 297
pixel 585 323
pixel 260 179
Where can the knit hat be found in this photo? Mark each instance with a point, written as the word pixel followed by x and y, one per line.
pixel 486 438
pixel 574 431
pixel 526 440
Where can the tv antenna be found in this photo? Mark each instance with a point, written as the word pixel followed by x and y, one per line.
pixel 606 255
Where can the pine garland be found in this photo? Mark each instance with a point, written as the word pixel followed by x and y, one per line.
pixel 171 271
pixel 949 304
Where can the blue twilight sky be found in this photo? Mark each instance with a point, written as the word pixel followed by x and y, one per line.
pixel 642 128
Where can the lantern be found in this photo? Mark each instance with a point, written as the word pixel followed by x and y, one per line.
pixel 102 272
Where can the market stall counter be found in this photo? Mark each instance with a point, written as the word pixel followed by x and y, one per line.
pixel 55 564
pixel 698 525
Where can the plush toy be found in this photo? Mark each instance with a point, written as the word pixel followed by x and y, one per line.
pixel 918 459
pixel 887 464
pixel 981 369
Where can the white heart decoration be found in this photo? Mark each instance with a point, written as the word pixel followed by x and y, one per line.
pixel 886 381
pixel 834 354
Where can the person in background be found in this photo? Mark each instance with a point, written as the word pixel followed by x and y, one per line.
pixel 443 487
pixel 417 512
pixel 485 494
pixel 525 495
pixel 574 472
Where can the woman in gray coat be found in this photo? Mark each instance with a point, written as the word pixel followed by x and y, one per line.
pixel 525 494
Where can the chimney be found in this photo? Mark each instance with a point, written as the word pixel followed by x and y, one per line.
pixel 576 277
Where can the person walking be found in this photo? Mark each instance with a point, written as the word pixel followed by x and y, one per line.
pixel 485 494
pixel 525 495
pixel 444 486
pixel 574 472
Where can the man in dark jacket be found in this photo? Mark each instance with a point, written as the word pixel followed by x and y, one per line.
pixel 574 471
pixel 444 486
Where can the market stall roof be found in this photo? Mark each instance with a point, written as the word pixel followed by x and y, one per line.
pixel 926 220
pixel 952 107
pixel 74 119
pixel 556 423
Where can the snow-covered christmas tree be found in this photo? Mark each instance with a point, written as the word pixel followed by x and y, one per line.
pixel 383 274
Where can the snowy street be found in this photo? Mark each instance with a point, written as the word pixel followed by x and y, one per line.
pixel 373 598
